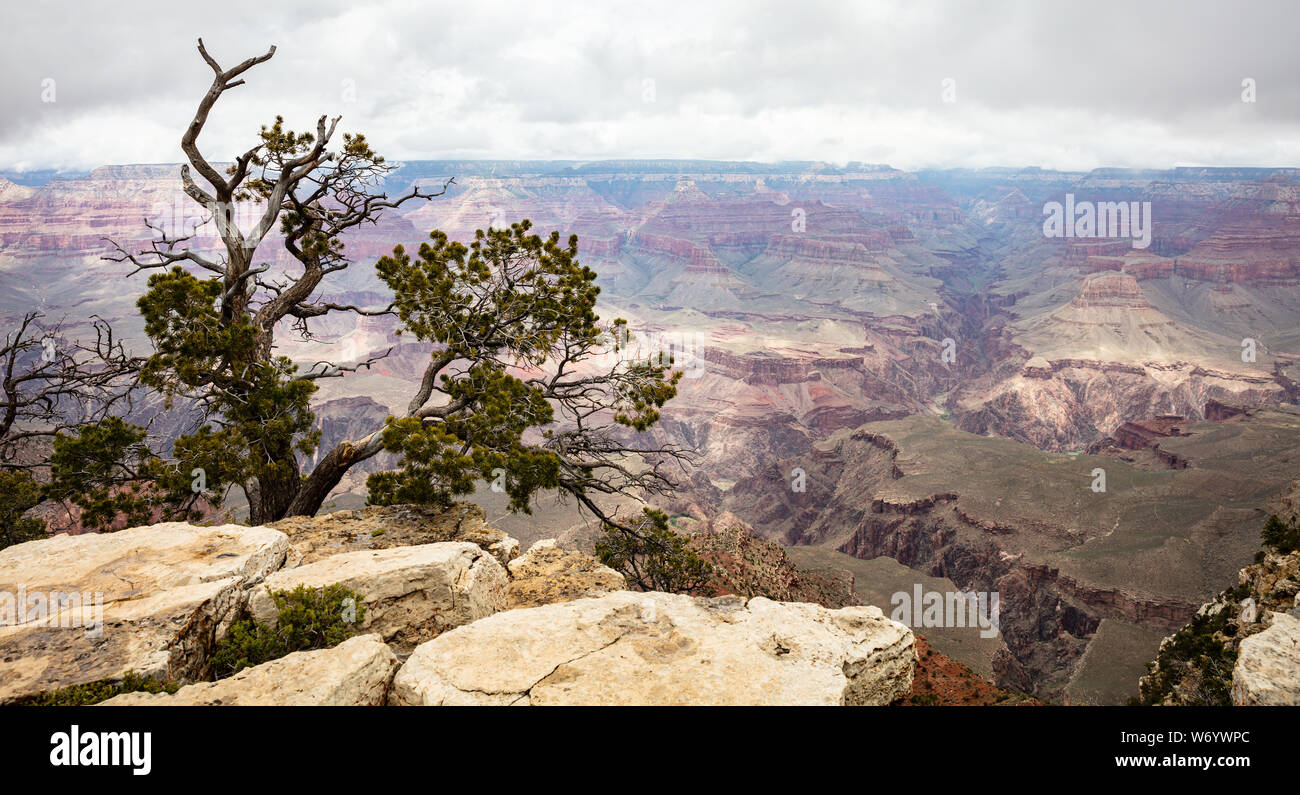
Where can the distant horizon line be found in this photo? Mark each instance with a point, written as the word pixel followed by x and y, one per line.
pixel 39 176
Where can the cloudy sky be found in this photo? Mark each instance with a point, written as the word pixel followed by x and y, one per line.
pixel 1059 85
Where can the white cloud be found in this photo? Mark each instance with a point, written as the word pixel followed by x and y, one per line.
pixel 1067 87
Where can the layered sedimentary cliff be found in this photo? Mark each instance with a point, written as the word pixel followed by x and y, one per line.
pixel 767 275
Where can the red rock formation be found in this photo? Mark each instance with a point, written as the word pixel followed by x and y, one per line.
pixel 1253 237
pixel 1141 434
pixel 1216 411
pixel 1150 269
pixel 749 566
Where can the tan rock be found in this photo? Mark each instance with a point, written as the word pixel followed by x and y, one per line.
pixel 314 538
pixel 1267 672
pixel 630 648
pixel 357 672
pixel 549 574
pixel 411 594
pixel 150 599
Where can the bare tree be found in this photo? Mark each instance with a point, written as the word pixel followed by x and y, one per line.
pixel 48 385
pixel 52 384
pixel 511 302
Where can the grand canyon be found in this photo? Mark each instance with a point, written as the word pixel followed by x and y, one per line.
pixel 891 373
pixel 937 363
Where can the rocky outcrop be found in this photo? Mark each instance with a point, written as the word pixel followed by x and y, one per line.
pixel 1069 404
pixel 171 591
pixel 357 672
pixel 1243 647
pixel 1104 297
pixel 1141 434
pixel 748 566
pixel 663 649
pixel 742 563
pixel 411 594
pixel 1267 672
pixel 154 600
pixel 548 574
pixel 314 538
pixel 1215 411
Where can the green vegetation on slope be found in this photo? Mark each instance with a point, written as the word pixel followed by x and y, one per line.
pixel 309 618
pixel 94 692
pixel 1194 666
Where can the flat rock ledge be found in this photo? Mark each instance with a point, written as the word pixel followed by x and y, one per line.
pixel 84 608
pixel 313 538
pixel 1267 672
pixel 629 648
pixel 548 574
pixel 411 594
pixel 357 672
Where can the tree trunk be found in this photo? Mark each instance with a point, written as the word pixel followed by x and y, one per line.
pixel 322 480
pixel 269 498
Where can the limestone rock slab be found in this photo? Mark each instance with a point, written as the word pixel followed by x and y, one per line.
pixel 1267 672
pixel 630 648
pixel 357 672
pixel 152 599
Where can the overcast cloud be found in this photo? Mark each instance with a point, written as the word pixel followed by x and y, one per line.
pixel 1058 85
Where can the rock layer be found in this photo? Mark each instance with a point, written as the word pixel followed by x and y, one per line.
pixel 314 538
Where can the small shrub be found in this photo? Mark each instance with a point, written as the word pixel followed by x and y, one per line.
pixel 654 558
pixel 19 492
pixel 1281 536
pixel 95 692
pixel 1238 593
pixel 307 619
pixel 1196 651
